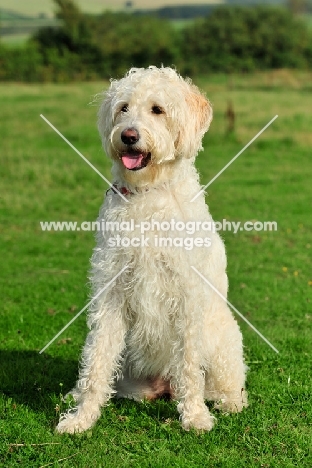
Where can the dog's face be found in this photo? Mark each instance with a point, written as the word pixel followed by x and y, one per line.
pixel 149 120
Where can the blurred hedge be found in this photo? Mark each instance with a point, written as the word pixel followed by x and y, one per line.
pixel 242 38
pixel 89 47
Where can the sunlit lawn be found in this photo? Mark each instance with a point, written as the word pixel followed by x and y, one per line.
pixel 44 278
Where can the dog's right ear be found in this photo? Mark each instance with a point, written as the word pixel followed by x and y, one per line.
pixel 105 114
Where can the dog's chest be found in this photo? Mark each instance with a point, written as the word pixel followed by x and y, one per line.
pixel 149 223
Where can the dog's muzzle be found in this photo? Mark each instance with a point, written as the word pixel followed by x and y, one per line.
pixel 133 158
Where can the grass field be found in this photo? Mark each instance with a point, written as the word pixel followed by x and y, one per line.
pixel 13 40
pixel 44 279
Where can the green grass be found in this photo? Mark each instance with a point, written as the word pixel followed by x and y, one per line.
pixel 15 39
pixel 44 279
pixel 307 17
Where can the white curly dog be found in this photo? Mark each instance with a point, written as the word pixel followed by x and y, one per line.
pixel 157 327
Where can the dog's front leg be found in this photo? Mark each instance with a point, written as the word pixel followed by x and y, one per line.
pixel 100 363
pixel 189 382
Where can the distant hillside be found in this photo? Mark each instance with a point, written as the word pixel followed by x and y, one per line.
pixel 12 23
pixel 256 2
pixel 11 15
pixel 171 10
pixel 35 7
pixel 195 11
pixel 17 23
pixel 179 12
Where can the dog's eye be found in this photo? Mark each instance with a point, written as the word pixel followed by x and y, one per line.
pixel 157 110
pixel 125 108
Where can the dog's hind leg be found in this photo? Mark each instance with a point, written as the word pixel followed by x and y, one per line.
pixel 100 363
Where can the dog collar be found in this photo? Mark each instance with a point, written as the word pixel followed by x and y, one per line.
pixel 122 190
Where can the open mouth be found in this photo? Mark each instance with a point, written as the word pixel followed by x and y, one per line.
pixel 135 160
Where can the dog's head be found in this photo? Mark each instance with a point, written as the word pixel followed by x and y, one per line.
pixel 150 119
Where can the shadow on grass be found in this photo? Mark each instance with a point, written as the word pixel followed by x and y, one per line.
pixel 30 378
pixel 160 409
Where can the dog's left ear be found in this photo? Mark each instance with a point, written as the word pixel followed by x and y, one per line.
pixel 198 117
pixel 200 110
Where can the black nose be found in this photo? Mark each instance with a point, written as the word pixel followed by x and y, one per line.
pixel 130 136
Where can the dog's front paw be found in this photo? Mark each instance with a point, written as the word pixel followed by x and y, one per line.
pixel 201 421
pixel 75 421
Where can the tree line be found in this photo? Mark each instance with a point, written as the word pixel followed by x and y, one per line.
pixel 231 38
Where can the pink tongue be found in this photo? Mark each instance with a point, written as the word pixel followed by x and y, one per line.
pixel 132 160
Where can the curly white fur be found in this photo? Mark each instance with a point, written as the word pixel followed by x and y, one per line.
pixel 158 328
